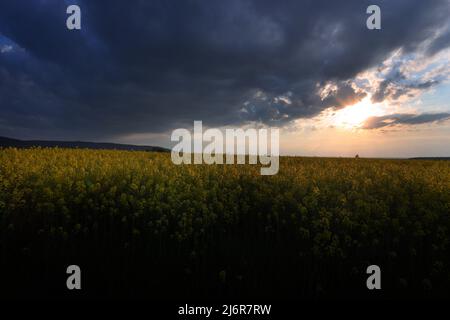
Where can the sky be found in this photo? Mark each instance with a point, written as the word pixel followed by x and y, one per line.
pixel 139 69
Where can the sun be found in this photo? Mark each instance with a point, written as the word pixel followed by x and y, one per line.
pixel 352 117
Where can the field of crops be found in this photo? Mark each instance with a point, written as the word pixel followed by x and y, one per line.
pixel 140 226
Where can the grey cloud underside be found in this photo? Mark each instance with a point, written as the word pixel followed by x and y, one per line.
pixel 150 66
pixel 404 119
pixel 396 85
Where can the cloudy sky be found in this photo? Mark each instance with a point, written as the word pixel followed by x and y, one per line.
pixel 139 69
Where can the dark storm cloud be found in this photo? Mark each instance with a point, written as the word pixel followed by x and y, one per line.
pixel 149 66
pixel 404 119
pixel 441 42
pixel 276 110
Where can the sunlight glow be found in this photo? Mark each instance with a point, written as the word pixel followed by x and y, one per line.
pixel 353 116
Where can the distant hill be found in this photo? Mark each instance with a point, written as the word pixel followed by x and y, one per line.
pixel 431 158
pixel 9 142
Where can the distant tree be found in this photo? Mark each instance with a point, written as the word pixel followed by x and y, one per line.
pixel 357 156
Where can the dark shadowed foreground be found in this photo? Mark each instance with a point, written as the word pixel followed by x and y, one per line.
pixel 139 226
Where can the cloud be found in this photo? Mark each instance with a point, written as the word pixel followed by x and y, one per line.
pixel 6 48
pixel 403 119
pixel 151 66
pixel 396 84
pixel 278 110
pixel 441 41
